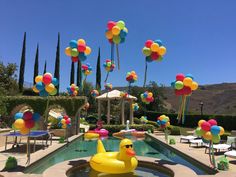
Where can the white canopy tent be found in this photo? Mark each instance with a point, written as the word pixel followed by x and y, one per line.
pixel 116 95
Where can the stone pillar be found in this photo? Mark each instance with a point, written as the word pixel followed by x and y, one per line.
pixel 123 111
pixel 99 109
pixel 131 113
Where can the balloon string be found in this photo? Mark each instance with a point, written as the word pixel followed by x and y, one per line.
pixel 84 82
pixel 213 156
pixel 145 75
pixel 107 76
pixel 129 86
pixel 46 112
pixel 112 52
pixel 180 111
pixel 118 56
pixel 183 109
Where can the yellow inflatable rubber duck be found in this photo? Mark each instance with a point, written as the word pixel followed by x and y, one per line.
pixel 91 135
pixel 123 161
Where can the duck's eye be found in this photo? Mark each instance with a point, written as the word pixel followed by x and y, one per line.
pixel 130 145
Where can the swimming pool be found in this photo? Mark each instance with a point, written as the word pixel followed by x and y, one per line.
pixel 80 148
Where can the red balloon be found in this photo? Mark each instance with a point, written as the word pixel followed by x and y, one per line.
pixel 65 117
pixel 206 126
pixel 186 90
pixel 110 25
pixel 148 43
pixel 111 41
pixel 179 92
pixel 154 56
pixel 212 122
pixel 74 59
pixel 29 123
pixel 67 121
pixel 180 77
pixel 47 79
pixel 85 67
pixel 81 47
pixel 27 115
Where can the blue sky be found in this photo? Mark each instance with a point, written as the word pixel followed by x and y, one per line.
pixel 199 36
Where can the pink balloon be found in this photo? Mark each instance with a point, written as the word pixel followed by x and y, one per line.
pixel 110 25
pixel 206 126
pixel 27 115
pixel 65 117
pixel 212 122
pixel 47 79
pixel 180 77
pixel 67 121
pixel 81 47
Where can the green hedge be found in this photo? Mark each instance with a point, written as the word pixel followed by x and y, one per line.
pixel 116 128
pixel 226 121
pixel 38 104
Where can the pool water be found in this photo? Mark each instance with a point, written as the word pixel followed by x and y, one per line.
pixel 81 148
pixel 139 172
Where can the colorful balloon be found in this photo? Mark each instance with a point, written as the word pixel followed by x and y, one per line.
pixel 72 90
pixel 131 77
pixel 147 97
pixel 94 93
pixel 86 69
pixel 109 65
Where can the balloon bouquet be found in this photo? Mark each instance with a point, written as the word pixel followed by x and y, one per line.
pixel 108 86
pixel 154 51
pixel 94 93
pixel 131 77
pixel 86 70
pixel 210 133
pixel 65 123
pixel 45 85
pixel 24 122
pixel 164 121
pixel 116 33
pixel 135 106
pixel 147 97
pixel 73 90
pixel 184 86
pixel 109 67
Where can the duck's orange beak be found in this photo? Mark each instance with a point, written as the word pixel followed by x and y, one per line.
pixel 130 152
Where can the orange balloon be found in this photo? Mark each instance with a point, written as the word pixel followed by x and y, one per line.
pixel 194 85
pixel 109 35
pixel 81 41
pixel 24 131
pixel 68 51
pixel 154 47
pixel 200 122
pixel 207 135
pixel 222 130
pixel 115 30
pixel 87 50
pixel 162 50
pixel 35 89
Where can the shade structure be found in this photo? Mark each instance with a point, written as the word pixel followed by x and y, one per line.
pixel 115 95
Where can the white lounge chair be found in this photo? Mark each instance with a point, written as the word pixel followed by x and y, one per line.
pixel 222 147
pixel 187 138
pixel 197 142
pixel 231 153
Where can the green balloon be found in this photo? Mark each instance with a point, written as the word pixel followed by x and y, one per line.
pixel 54 92
pixel 160 58
pixel 216 138
pixel 179 85
pixel 74 52
pixel 116 39
pixel 198 131
pixel 121 24
pixel 147 51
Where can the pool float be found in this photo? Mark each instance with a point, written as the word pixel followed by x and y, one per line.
pixel 138 134
pixel 123 161
pixel 101 132
pixel 91 135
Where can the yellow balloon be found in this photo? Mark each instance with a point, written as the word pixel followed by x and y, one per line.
pixel 24 131
pixel 19 123
pixel 115 30
pixel 200 122
pixel 167 124
pixel 125 29
pixel 38 78
pixel 63 121
pixel 109 35
pixel 150 94
pixel 87 50
pixel 154 47
pixel 64 126
pixel 49 88
pixel 194 85
pixel 207 135
pixel 75 92
pixel 81 41
pixel 162 50
pixel 35 89
pixel 222 130
pixel 72 85
pixel 68 51
pixel 188 82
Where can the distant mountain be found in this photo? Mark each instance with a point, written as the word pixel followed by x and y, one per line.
pixel 216 99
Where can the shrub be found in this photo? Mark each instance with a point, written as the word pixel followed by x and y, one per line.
pixel 61 140
pixel 172 140
pixel 11 163
pixel 91 119
pixel 174 130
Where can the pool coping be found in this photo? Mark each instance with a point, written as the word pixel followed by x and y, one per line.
pixel 206 168
pixel 173 169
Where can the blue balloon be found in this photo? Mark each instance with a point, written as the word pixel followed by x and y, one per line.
pixel 68 89
pixel 158 122
pixel 159 42
pixel 215 130
pixel 55 81
pixel 145 95
pixel 73 44
pixel 163 122
pixel 173 84
pixel 43 93
pixel 18 115
pixel 189 75
pixel 82 56
pixel 36 116
pixel 39 86
pixel 122 40
pixel 148 59
pixel 123 34
pixel 59 124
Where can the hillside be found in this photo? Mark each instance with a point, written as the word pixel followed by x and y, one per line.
pixel 216 98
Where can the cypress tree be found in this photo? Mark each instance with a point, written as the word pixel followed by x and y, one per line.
pixel 57 63
pixel 79 74
pixel 22 65
pixel 45 67
pixel 36 64
pixel 98 72
pixel 72 73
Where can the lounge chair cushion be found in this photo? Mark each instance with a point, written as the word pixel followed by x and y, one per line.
pixel 231 154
